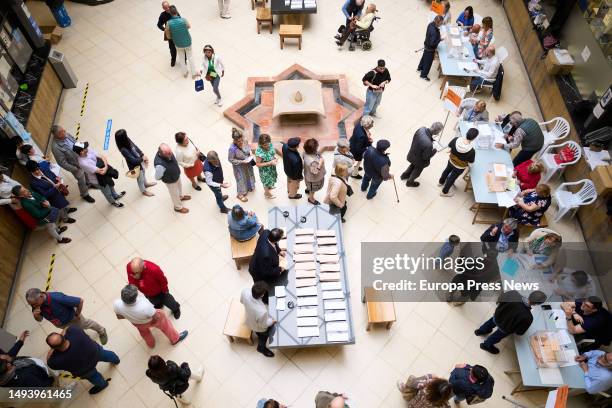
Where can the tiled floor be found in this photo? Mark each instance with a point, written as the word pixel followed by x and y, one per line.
pixel 118 51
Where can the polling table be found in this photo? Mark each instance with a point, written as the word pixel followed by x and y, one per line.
pixel 293 11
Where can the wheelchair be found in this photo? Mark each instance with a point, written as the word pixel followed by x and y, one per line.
pixel 361 38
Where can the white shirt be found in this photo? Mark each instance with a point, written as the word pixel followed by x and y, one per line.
pixel 489 69
pixel 6 187
pixel 140 312
pixel 257 317
pixel 185 155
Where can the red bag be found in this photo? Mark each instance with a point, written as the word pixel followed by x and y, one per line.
pixel 564 156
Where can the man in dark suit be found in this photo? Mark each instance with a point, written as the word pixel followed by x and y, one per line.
pixel 501 237
pixel 47 184
pixel 265 264
pixel 432 39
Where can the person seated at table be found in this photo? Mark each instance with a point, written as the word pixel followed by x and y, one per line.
pixel 47 184
pixel 546 242
pixel 360 23
pixel 243 225
pixel 471 111
pixel 501 237
pixel 487 69
pixel 527 134
pixel 587 319
pixel 528 174
pixel 531 205
pixel 483 39
pixel 597 367
pixel 571 284
pixel 466 19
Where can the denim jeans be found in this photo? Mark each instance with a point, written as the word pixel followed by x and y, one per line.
pixel 141 180
pixel 218 196
pixel 478 82
pixel 448 177
pixel 109 193
pixel 373 186
pixel 496 336
pixel 215 85
pixel 372 101
pixel 94 376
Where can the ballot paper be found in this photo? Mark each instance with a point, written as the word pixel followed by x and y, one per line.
pixel 279 291
pixel 304 239
pixel 307 311
pixel 281 303
pixel 299 273
pixel 329 268
pixel 564 337
pixel 327 250
pixel 505 198
pixel 453 30
pixel 308 331
pixel 550 376
pixel 303 258
pixel 333 294
pixel 484 129
pixel 332 259
pixel 307 291
pixel 307 321
pixel 334 304
pixel 329 276
pixel 326 241
pixel 456 42
pixel 326 233
pixel 331 286
pixel 282 244
pixel 307 301
pixel 305 266
pixel 469 66
pixel 301 283
pixel 335 316
pixel 303 249
pixel 337 336
pixel 304 231
pixel 336 326
pixel 570 357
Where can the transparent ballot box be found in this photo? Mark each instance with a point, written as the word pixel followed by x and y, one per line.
pixel 547 348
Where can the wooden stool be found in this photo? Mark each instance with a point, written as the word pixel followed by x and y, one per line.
pixel 257 3
pixel 290 31
pixel 235 328
pixel 264 16
pixel 242 250
pixel 379 312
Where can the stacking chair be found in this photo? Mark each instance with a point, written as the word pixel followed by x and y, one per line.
pixel 568 202
pixel 560 130
pixel 552 167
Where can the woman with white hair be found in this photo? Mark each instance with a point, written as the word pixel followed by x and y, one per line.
pixel 360 141
pixel 501 237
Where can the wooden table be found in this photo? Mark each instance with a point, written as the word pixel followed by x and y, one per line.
pixel 289 15
pixel 290 31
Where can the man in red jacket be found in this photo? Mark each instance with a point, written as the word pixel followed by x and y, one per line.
pixel 151 281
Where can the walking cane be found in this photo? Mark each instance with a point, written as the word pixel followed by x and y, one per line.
pixel 395 187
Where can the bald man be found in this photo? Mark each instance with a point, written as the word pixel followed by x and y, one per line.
pixel 325 399
pixel 151 281
pixel 167 170
pixel 161 24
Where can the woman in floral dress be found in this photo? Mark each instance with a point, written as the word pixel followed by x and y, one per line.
pixel 240 157
pixel 531 205
pixel 265 159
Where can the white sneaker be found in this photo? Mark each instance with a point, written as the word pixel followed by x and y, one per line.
pixel 198 374
pixel 219 102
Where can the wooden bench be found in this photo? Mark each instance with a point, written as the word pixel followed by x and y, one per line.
pixel 264 16
pixel 242 250
pixel 378 312
pixel 290 31
pixel 235 327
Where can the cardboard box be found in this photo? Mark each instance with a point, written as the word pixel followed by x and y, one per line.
pixel 52 33
pixel 559 62
pixel 602 178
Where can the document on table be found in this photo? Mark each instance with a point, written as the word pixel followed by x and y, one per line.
pixel 560 322
pixel 305 274
pixel 331 286
pixel 333 294
pixel 304 282
pixel 304 231
pixel 456 42
pixel 307 311
pixel 570 356
pixel 484 129
pixel 505 198
pixel 337 337
pixel 453 30
pixel 326 233
pixel 279 291
pixel 303 249
pixel 334 305
pixel 304 239
pixel 329 268
pixel 281 303
pixel 327 250
pixel 329 276
pixel 336 326
pixel 335 316
pixel 333 259
pixel 564 337
pixel 308 301
pixel 303 258
pixel 308 331
pixel 307 321
pixel 282 244
pixel 305 266
pixel 550 376
pixel 307 291
pixel 470 66
pixel 326 241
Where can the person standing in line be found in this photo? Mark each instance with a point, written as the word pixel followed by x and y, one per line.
pixel 161 24
pixel 213 70
pixel 68 160
pixel 360 140
pixel 343 155
pixel 471 383
pixel 242 161
pixel 177 30
pixel 376 164
pixel 337 190
pixel 420 153
pixel 461 155
pixel 293 167
pixel 432 39
pixel 258 318
pixel 25 371
pixel 139 311
pixel 99 173
pixel 314 169
pixel 41 211
pixel 213 174
pixel 188 157
pixel 171 378
pixel 135 159
pixel 266 160
pixel 168 171
pixel 151 281
pixel 376 80
pixel 224 6
pixel 47 184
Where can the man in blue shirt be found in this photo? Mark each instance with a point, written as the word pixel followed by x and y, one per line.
pixel 471 383
pixel 62 311
pixel 352 8
pixel 597 367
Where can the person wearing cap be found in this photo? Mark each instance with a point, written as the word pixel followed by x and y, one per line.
pixel 168 171
pixel 243 225
pixel 68 159
pixel 213 69
pixel 432 39
pixel 360 23
pixel 461 155
pixel 47 184
pixel 360 140
pixel 293 166
pixel 343 155
pixel 376 80
pixel 420 153
pixel 99 173
pixel 376 164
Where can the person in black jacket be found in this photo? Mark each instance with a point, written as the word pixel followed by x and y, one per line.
pixel 360 140
pixel 172 379
pixel 376 164
pixel 461 155
pixel 22 371
pixel 47 184
pixel 501 237
pixel 432 39
pixel 161 24
pixel 471 383
pixel 135 159
pixel 293 166
pixel 265 264
pixel 420 153
pixel 512 316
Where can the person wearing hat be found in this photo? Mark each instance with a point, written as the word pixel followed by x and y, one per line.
pixel 376 164
pixel 461 155
pixel 376 80
pixel 213 69
pixel 420 153
pixel 432 39
pixel 343 155
pixel 360 140
pixel 98 172
pixel 293 167
pixel 243 225
pixel 47 184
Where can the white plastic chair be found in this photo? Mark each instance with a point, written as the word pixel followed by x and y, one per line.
pixel 567 201
pixel 552 167
pixel 560 130
pixel 501 53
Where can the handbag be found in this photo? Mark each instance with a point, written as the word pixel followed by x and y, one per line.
pixel 63 189
pixel 199 85
pixel 134 173
pixel 201 156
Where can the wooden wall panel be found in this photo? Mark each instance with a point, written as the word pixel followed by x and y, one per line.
pixel 43 111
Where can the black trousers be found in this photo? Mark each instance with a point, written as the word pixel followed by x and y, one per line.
pixel 425 63
pixel 412 172
pixel 164 299
pixel 448 177
pixel 523 156
pixel 262 340
pixel 172 50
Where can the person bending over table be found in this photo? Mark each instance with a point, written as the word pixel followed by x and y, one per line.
pixel 527 134
pixel 597 367
pixel 528 174
pixel 571 284
pixel 587 319
pixel 243 225
pixel 268 261
pixel 543 241
pixel 531 205
pixel 466 19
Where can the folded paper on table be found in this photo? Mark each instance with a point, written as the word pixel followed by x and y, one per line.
pixel 337 336
pixel 329 276
pixel 505 198
pixel 279 291
pixel 456 42
pixel 305 273
pixel 326 241
pixel 303 258
pixel 303 249
pixel 306 291
pixel 307 321
pixel 281 303
pixel 307 312
pixel 334 259
pixel 334 305
pixel 304 239
pixel 326 233
pixel 550 376
pixel 336 326
pixel 327 250
pixel 305 266
pixel 335 316
pixel 304 231
pixel 329 268
pixel 304 282
pixel 333 294
pixel 484 129
pixel 331 286
pixel 308 331
pixel 307 301
pixel 453 30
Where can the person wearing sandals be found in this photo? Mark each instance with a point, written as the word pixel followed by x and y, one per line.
pixel 135 159
pixel 213 174
pixel 242 163
pixel 266 160
pixel 427 391
pixel 187 156
pixel 314 169
pixel 337 190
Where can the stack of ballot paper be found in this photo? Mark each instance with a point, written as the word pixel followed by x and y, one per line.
pixel 280 293
pixel 326 233
pixel 310 4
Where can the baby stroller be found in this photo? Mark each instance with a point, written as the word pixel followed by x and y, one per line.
pixel 359 37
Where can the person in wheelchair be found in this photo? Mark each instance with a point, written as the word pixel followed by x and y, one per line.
pixel 358 26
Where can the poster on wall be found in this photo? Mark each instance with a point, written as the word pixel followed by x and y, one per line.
pixel 8 84
pixel 19 49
